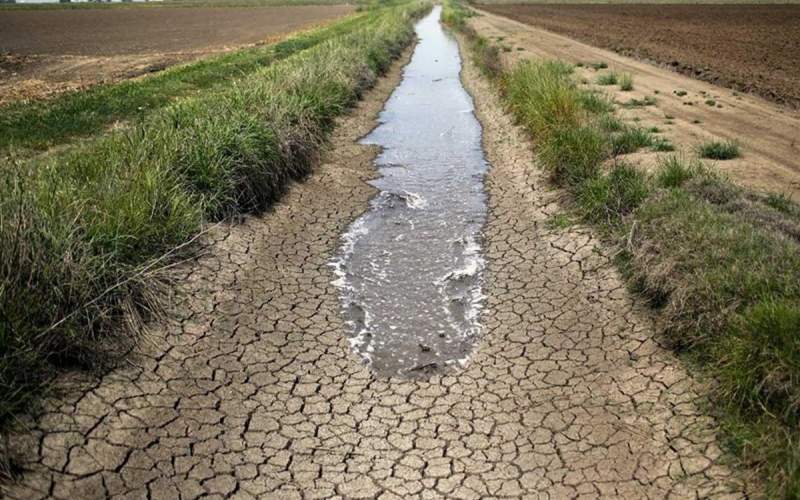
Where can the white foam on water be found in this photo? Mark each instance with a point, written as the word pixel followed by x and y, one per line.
pixel 415 201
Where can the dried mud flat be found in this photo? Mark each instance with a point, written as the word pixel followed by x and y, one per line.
pixel 43 52
pixel 251 389
pixel 750 48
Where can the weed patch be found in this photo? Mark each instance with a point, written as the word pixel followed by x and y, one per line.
pixel 610 78
pixel 630 139
pixel 639 103
pixel 719 150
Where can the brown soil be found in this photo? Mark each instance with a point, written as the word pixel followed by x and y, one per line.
pixel 250 389
pixel 768 133
pixel 750 48
pixel 43 52
pixel 106 32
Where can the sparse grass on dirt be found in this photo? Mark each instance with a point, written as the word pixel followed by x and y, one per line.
pixel 719 150
pixel 640 103
pixel 626 82
pixel 720 263
pixel 36 126
pixel 88 232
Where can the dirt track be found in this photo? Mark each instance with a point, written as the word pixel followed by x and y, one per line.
pixel 43 52
pixel 750 48
pixel 251 389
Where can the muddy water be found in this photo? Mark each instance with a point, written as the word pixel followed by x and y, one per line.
pixel 409 270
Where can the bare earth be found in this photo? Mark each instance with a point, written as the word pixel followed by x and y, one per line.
pixel 750 48
pixel 251 389
pixel 769 134
pixel 48 51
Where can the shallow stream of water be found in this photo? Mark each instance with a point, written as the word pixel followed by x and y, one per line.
pixel 409 269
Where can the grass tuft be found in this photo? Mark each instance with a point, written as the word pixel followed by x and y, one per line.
pixel 673 173
pixel 610 78
pixel 719 150
pixel 607 199
pixel 595 103
pixel 626 82
pixel 630 139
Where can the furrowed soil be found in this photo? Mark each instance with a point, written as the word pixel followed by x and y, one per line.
pixel 685 110
pixel 749 48
pixel 48 51
pixel 251 389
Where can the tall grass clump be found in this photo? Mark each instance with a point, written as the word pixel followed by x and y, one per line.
pixel 626 82
pixel 86 233
pixel 719 150
pixel 607 199
pixel 610 78
pixel 672 172
pixel 720 263
pixel 546 101
pixel 630 139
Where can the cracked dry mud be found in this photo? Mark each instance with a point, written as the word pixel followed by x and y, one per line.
pixel 250 388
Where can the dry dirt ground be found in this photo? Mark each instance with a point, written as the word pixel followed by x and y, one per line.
pixel 769 134
pixel 47 51
pixel 750 48
pixel 250 389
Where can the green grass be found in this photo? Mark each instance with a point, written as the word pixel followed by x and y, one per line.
pixel 626 82
pixel 596 103
pixel 36 126
pixel 86 231
pixel 640 103
pixel 720 263
pixel 661 145
pixel 607 199
pixel 609 123
pixel 630 139
pixel 673 172
pixel 610 78
pixel 719 150
pixel 559 221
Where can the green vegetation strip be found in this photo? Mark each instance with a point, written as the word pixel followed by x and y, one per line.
pixel 87 233
pixel 719 262
pixel 39 125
